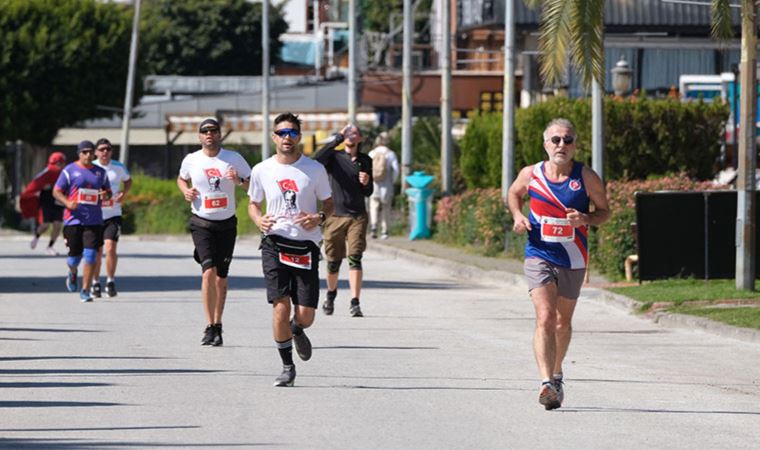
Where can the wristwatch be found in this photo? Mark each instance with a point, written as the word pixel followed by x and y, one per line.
pixel 322 217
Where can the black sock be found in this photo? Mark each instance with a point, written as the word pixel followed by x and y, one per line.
pixel 52 243
pixel 286 351
pixel 296 329
pixel 354 301
pixel 332 294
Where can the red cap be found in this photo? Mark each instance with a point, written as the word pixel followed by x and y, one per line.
pixel 56 158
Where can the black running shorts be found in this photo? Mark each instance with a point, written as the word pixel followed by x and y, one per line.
pixel 112 229
pixel 279 258
pixel 80 237
pixel 214 243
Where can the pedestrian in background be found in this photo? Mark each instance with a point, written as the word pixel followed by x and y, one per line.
pixel 556 254
pixel 37 202
pixel 385 173
pixel 345 232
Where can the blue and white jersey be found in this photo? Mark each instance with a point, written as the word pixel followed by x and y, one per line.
pixel 117 174
pixel 551 237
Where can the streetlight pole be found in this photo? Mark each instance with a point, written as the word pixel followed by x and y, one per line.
pixel 124 153
pixel 406 94
pixel 446 97
pixel 352 61
pixel 508 101
pixel 265 139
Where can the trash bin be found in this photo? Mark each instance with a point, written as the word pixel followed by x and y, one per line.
pixel 420 205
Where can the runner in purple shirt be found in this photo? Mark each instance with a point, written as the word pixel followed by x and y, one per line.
pixel 81 187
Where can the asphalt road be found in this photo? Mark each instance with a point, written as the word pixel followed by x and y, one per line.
pixel 437 362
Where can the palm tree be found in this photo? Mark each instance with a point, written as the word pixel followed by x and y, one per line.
pixel 575 27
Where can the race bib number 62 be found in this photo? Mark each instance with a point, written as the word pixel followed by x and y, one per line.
pixel 554 229
pixel 215 202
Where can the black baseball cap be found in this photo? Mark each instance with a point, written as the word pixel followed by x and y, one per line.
pixel 209 121
pixel 85 145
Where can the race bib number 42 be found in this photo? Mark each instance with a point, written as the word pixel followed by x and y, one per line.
pixel 215 202
pixel 88 197
pixel 556 230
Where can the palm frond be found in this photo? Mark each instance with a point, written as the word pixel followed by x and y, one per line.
pixel 588 40
pixel 555 39
pixel 532 4
pixel 722 26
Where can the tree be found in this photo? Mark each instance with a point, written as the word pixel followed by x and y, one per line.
pixel 60 62
pixel 206 37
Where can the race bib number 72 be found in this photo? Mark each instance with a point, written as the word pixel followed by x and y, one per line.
pixel 554 229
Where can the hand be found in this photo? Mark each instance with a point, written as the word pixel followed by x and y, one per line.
pixel 72 204
pixel 232 175
pixel 521 225
pixel 104 195
pixel 117 198
pixel 266 222
pixel 307 221
pixel 363 178
pixel 576 217
pixel 190 194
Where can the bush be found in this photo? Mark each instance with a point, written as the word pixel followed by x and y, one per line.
pixel 476 218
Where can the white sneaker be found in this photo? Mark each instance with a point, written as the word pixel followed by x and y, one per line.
pixel 51 251
pixel 34 242
pixel 384 237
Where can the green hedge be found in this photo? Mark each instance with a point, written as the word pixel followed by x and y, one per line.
pixel 643 137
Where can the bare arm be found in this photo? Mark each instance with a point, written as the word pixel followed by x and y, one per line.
pixel 309 221
pixel 188 192
pixel 515 200
pixel 598 196
pixel 61 197
pixel 263 221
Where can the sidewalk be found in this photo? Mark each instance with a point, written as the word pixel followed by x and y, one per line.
pixel 470 266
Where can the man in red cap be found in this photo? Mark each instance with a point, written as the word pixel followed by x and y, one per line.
pixel 37 201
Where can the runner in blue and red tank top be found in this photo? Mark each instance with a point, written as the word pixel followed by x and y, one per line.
pixel 81 187
pixel 556 255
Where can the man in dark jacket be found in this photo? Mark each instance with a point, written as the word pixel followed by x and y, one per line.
pixel 345 232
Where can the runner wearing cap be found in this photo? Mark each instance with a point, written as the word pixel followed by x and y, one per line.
pixel 81 187
pixel 118 175
pixel 207 179
pixel 37 202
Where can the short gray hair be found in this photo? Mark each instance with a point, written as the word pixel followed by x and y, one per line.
pixel 382 139
pixel 564 123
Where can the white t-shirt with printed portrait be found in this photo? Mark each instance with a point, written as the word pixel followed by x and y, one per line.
pixel 216 199
pixel 290 189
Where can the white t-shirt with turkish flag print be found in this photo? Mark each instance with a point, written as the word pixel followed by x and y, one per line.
pixel 216 199
pixel 290 189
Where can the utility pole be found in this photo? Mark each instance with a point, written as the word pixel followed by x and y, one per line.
pixel 265 138
pixel 317 39
pixel 406 95
pixel 745 180
pixel 446 97
pixel 508 101
pixel 124 151
pixel 352 61
pixel 597 124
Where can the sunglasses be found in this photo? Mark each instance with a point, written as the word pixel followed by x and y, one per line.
pixel 87 152
pixel 104 149
pixel 566 139
pixel 208 130
pixel 293 133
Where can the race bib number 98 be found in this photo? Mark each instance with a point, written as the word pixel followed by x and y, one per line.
pixel 87 196
pixel 556 230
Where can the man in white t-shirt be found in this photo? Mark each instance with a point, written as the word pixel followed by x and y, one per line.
pixel 207 179
pixel 118 175
pixel 291 184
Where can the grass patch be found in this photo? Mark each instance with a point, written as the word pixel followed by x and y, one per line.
pixel 679 291
pixel 746 317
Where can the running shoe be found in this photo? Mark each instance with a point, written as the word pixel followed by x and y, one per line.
pixel 559 385
pixel 373 234
pixel 384 237
pixel 71 282
pixel 356 311
pixel 51 251
pixel 287 377
pixel 208 335
pixel 84 296
pixel 217 341
pixel 328 307
pixel 302 345
pixel 548 396
pixel 95 290
pixel 34 242
pixel 111 289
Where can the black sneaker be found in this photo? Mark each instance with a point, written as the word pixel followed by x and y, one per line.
pixel 287 377
pixel 328 307
pixel 208 335
pixel 303 346
pixel 217 340
pixel 95 290
pixel 111 289
pixel 356 311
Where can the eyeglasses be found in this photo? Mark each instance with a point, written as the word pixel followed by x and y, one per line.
pixel 208 130
pixel 292 132
pixel 103 149
pixel 566 139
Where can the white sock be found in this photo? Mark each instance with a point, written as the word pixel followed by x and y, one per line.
pixel 111 280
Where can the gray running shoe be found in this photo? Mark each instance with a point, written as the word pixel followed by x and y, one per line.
pixel 71 282
pixel 303 346
pixel 95 290
pixel 287 377
pixel 328 307
pixel 559 384
pixel 356 311
pixel 548 396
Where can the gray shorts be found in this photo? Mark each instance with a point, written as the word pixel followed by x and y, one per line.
pixel 540 273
